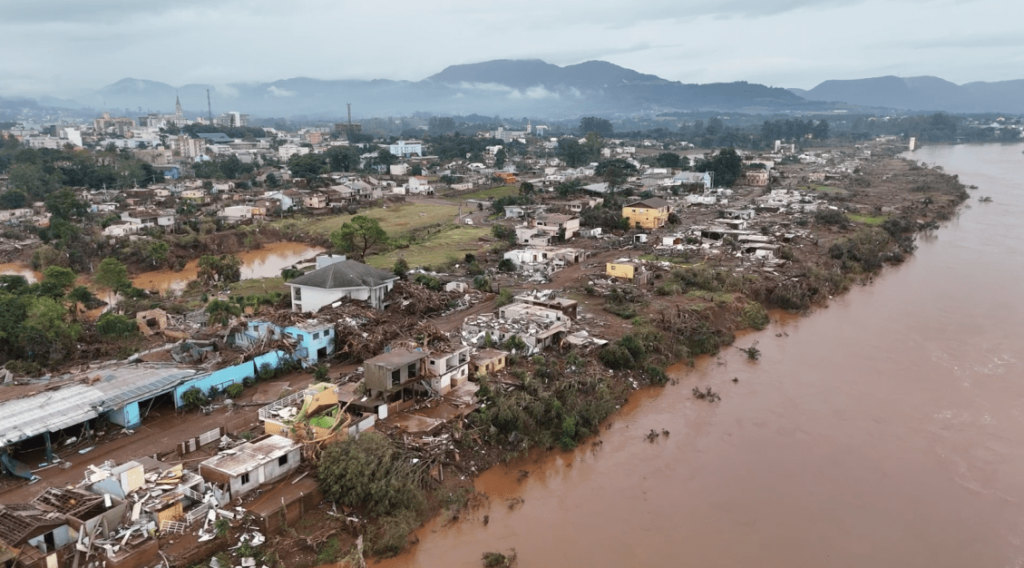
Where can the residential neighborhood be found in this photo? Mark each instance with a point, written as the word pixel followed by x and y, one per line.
pixel 203 313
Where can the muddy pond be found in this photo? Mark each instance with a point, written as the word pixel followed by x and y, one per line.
pixel 261 263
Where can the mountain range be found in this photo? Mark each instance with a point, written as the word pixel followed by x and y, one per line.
pixel 921 94
pixel 542 90
pixel 503 87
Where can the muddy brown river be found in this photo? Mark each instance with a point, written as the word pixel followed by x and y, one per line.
pixel 884 430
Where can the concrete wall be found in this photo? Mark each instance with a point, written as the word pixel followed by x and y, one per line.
pixel 228 376
pixel 268 472
pixel 128 416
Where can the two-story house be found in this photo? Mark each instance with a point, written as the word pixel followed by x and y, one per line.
pixel 648 213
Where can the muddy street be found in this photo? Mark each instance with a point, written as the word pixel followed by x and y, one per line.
pixel 884 430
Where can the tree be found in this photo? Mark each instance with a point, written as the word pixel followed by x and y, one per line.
pixel 307 166
pixel 46 332
pixel 13 199
pixel 225 269
pixel 342 159
pixel 358 236
pixel 57 280
pixel 670 160
pixel 615 172
pixel 272 181
pixel 727 167
pixel 221 311
pixel 112 275
pixel 572 152
pixel 64 204
pixel 401 268
pixel 34 180
pixel 499 159
pixel 158 251
pixel 526 188
pixel 601 126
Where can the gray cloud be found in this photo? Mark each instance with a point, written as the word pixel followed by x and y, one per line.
pixel 62 47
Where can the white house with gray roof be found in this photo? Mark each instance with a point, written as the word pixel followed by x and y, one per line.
pixel 338 280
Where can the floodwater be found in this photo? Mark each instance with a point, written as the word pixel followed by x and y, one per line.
pixel 21 269
pixel 262 263
pixel 884 430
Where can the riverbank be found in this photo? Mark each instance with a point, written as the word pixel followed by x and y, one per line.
pixel 885 429
pixel 695 306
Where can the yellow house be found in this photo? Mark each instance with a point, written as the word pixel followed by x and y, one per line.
pixel 648 213
pixel 621 269
pixel 487 362
pixel 628 270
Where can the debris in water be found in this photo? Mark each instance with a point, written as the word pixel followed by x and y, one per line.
pixel 708 394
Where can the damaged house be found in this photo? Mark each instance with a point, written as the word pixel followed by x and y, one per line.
pixel 537 327
pixel 59 525
pixel 246 467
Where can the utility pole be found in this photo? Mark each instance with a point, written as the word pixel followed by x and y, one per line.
pixel 209 107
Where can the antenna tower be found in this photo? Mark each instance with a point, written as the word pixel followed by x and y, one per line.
pixel 349 105
pixel 209 107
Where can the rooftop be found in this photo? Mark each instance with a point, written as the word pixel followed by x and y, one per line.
pixel 86 396
pixel 396 358
pixel 246 457
pixel 344 274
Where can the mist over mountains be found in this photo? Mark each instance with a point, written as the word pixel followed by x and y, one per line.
pixel 542 90
pixel 502 87
pixel 921 94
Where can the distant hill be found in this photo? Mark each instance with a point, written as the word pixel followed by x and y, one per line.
pixel 921 94
pixel 503 87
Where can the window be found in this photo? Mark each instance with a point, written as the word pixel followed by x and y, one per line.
pixel 297 293
pixel 396 377
pixel 283 460
pixel 298 308
pixel 412 370
pixel 316 335
pixel 245 479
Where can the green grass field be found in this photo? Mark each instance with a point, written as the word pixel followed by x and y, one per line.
pixel 867 219
pixel 396 220
pixel 492 193
pixel 256 286
pixel 436 249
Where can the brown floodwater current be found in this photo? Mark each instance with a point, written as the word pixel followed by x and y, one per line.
pixel 884 430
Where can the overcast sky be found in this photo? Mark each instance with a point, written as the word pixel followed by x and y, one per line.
pixel 61 47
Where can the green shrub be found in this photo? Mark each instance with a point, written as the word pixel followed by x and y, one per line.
pixel 234 390
pixel 267 372
pixel 505 297
pixel 754 316
pixel 115 325
pixel 194 397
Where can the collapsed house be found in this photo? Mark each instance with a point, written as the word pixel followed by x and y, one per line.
pixel 487 362
pixel 313 340
pixel 65 525
pixel 316 414
pixel 537 333
pixel 548 299
pixel 545 258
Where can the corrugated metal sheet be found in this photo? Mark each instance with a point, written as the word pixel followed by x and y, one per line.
pixel 23 418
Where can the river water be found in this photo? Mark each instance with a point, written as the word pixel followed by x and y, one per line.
pixel 260 263
pixel 884 430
